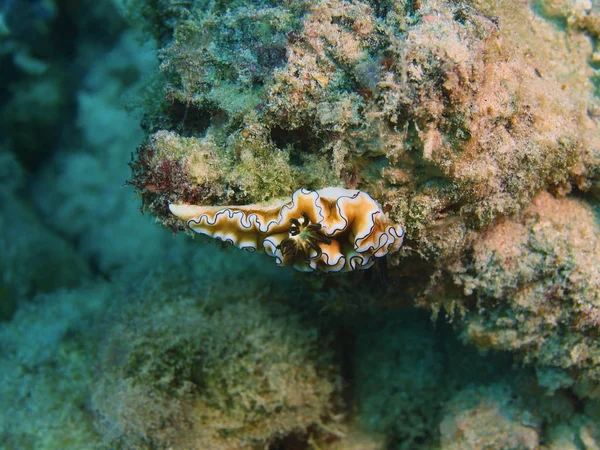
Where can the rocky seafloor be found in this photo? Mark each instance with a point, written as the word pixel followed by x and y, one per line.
pixel 476 126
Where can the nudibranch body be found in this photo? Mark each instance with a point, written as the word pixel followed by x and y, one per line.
pixel 331 230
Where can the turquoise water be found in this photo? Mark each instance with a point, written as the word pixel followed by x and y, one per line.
pixel 115 333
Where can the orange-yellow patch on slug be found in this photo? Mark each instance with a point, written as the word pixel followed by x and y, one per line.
pixel 331 230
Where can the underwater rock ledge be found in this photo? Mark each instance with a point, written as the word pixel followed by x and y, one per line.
pixel 450 114
pixel 453 116
pixel 474 126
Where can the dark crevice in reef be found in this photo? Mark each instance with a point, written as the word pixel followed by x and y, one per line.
pixel 189 120
pixel 271 57
pixel 461 15
pixel 186 119
pixel 412 6
pixel 300 141
pixel 346 348
pixel 294 441
pixel 381 8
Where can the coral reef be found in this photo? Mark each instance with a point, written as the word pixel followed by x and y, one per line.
pixel 453 115
pixel 579 15
pixel 46 369
pixel 229 375
pixel 41 64
pixel 531 285
pixel 471 124
pixel 405 370
pixel 449 114
pixel 34 259
pixel 488 418
pixel 504 415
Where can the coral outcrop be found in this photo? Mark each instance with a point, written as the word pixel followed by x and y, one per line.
pixel 450 114
pixel 33 259
pixel 531 285
pixel 406 370
pixel 46 368
pixel 471 123
pixel 488 418
pixel 196 372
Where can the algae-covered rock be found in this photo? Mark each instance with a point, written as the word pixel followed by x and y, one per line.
pixel 501 416
pixel 406 368
pixel 489 418
pixel 579 14
pixel 219 368
pixel 449 113
pixel 455 116
pixel 531 285
pixel 46 369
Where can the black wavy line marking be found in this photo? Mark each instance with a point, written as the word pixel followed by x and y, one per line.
pixel 267 225
pixel 278 259
pixel 330 264
pixel 270 241
pixel 248 221
pixel 394 232
pixel 401 235
pixel 369 263
pixel 231 213
pixel 398 236
pixel 288 206
pixel 292 204
pixel 353 260
pixel 369 233
pixel 387 237
pixel 341 267
pixel 339 210
pixel 318 208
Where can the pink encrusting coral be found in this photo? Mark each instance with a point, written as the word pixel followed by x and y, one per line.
pixel 534 283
